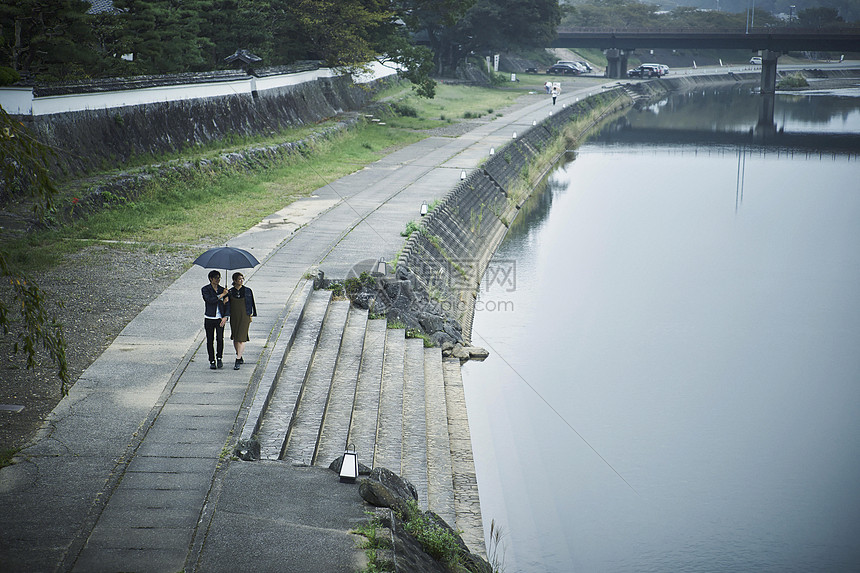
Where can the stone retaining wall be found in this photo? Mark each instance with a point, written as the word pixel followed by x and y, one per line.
pixel 452 249
pixel 682 83
pixel 109 138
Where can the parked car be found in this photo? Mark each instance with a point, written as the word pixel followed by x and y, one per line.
pixel 586 65
pixel 755 60
pixel 664 69
pixel 645 71
pixel 578 65
pixel 563 70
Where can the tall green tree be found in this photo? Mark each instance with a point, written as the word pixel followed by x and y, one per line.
pixel 819 17
pixel 433 23
pixel 611 14
pixel 231 25
pixel 48 39
pixel 349 34
pixel 503 25
pixel 342 31
pixel 108 33
pixel 23 307
pixel 164 35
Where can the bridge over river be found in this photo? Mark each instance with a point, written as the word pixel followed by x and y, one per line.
pixel 619 43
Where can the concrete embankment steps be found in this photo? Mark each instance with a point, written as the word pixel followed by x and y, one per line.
pixel 348 379
pixel 339 407
pixel 279 414
pixel 440 486
pixel 304 431
pixel 414 445
pixel 389 428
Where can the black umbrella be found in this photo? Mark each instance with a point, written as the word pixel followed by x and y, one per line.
pixel 226 258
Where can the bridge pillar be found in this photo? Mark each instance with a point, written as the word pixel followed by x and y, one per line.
pixel 616 63
pixel 768 71
pixel 765 126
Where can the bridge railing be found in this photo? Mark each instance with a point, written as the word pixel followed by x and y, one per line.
pixel 851 29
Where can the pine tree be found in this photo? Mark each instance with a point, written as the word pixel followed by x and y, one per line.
pixel 47 39
pixel 164 35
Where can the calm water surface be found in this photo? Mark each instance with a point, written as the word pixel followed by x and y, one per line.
pixel 674 380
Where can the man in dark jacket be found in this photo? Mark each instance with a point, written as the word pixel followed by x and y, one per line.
pixel 217 310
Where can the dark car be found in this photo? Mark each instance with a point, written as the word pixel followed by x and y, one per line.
pixel 563 70
pixel 645 71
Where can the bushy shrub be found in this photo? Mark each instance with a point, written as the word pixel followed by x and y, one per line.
pixel 404 110
pixel 795 80
pixel 8 76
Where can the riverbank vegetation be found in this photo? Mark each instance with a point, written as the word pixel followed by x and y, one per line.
pixel 795 80
pixel 180 206
pixel 568 136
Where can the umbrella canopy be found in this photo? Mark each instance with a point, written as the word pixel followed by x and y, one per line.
pixel 226 258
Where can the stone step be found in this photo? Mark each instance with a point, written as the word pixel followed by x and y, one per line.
pixel 389 428
pixel 349 380
pixel 338 413
pixel 440 492
pixel 273 365
pixel 467 504
pixel 301 442
pixel 414 415
pixel 365 415
pixel 282 405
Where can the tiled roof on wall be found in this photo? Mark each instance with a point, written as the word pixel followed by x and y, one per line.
pixel 100 6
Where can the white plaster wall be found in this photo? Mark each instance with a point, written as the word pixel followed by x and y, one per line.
pixel 47 105
pixel 17 101
pixel 20 101
pixel 377 71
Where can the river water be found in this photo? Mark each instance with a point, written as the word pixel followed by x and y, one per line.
pixel 674 328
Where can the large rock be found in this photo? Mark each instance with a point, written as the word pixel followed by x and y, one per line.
pixel 247 450
pixel 378 495
pixel 397 484
pixel 385 488
pixel 477 353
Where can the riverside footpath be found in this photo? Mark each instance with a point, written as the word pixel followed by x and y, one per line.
pixel 133 469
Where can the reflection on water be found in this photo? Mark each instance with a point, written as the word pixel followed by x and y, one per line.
pixel 676 384
pixel 720 109
pixel 786 123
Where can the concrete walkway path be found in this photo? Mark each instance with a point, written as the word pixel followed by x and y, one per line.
pixel 131 468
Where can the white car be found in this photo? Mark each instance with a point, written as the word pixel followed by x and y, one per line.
pixel 755 60
pixel 664 69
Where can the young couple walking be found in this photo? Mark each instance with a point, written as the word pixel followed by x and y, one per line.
pixel 237 304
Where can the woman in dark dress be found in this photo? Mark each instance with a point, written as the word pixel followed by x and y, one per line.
pixel 242 308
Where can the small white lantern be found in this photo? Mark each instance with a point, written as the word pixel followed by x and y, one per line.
pixel 514 136
pixel 381 268
pixel 349 465
pixel 424 208
pixel 463 175
pixel 492 151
